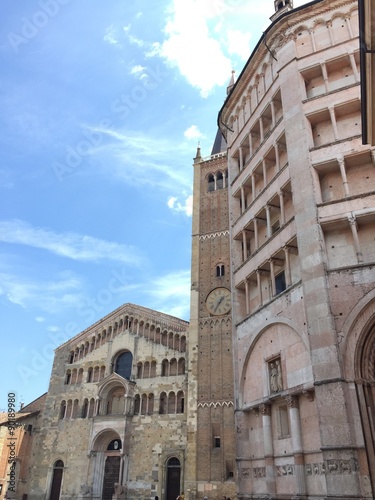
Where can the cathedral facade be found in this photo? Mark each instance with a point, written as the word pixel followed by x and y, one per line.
pixel 268 391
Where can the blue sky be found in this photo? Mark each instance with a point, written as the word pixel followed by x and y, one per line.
pixel 102 107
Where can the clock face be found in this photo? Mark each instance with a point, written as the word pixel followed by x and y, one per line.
pixel 218 301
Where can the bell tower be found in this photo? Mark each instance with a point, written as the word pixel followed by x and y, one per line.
pixel 211 425
pixel 281 6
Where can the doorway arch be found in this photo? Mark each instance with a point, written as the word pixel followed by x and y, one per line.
pixel 173 478
pixel 57 477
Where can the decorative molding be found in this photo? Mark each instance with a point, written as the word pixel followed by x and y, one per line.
pixel 216 404
pixel 211 236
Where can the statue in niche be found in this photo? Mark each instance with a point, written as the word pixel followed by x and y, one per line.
pixel 276 381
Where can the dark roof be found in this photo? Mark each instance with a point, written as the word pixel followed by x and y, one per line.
pixel 220 144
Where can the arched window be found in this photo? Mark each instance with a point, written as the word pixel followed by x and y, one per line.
pixel 91 408
pixel 123 365
pixel 137 404
pixel 85 408
pixel 219 181
pixel 62 410
pixel 80 376
pixel 173 367
pixel 163 403
pixel 181 366
pixel 211 183
pixel 164 368
pixel 57 475
pixel 220 270
pixel 150 405
pixel 68 377
pixel 180 402
pixel 172 402
pixel 144 404
pixel 89 374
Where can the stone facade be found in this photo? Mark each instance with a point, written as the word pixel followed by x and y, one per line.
pixel 302 214
pixel 114 420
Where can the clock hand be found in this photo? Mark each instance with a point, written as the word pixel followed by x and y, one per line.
pixel 218 303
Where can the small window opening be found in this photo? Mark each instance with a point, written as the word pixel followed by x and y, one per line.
pixel 280 283
pixel 217 443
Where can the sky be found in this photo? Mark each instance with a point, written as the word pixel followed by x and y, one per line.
pixel 103 105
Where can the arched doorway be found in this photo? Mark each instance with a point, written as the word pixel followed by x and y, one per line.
pixel 365 368
pixel 112 468
pixel 57 476
pixel 173 478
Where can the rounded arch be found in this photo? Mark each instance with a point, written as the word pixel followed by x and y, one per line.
pixel 123 363
pixel 173 477
pixel 102 440
pixel 277 340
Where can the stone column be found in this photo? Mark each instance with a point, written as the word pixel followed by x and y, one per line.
pixel 343 175
pixel 259 285
pixel 282 208
pixel 261 127
pixel 268 216
pixel 288 274
pixel 325 76
pixel 295 430
pixel 311 31
pixel 244 245
pixel 251 144
pixel 247 297
pixel 273 113
pixel 243 200
pixel 256 234
pixel 333 121
pixel 353 226
pixel 264 168
pixel 241 157
pixel 253 186
pixel 273 281
pixel 277 156
pixel 353 65
pixel 331 37
pixel 265 411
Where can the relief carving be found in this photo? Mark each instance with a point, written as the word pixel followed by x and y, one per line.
pixel 259 472
pixel 245 472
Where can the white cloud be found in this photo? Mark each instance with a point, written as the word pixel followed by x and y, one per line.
pixel 199 58
pixel 171 293
pixel 239 43
pixel 71 245
pixel 110 36
pixel 39 319
pixel 143 161
pixel 193 132
pixel 186 207
pixel 49 296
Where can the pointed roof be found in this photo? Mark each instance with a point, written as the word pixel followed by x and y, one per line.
pixel 231 83
pixel 220 144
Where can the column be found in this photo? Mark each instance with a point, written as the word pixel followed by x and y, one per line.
pixel 343 175
pixel 331 37
pixel 247 296
pixel 244 245
pixel 261 127
pixel 273 113
pixel 241 157
pixel 264 168
pixel 273 281
pixel 256 234
pixel 354 65
pixel 325 76
pixel 259 285
pixel 353 226
pixel 282 208
pixel 347 21
pixel 243 200
pixel 268 216
pixel 295 431
pixel 265 411
pixel 287 270
pixel 311 31
pixel 215 183
pixel 333 121
pixel 251 143
pixel 277 156
pixel 253 186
